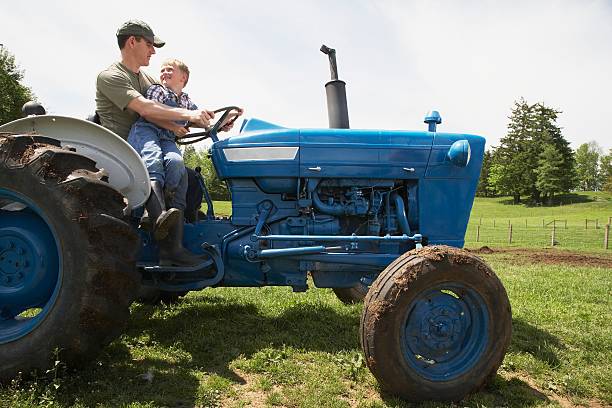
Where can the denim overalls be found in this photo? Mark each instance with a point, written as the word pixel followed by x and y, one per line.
pixel 161 157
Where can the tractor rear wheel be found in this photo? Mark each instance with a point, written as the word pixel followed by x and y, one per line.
pixel 67 258
pixel 436 325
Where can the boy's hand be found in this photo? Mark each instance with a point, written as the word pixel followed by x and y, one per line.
pixel 231 118
pixel 180 131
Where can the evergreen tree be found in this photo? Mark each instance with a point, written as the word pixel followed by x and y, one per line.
pixel 547 132
pixel 516 161
pixel 511 167
pixel 13 94
pixel 550 172
pixel 485 189
pixel 587 166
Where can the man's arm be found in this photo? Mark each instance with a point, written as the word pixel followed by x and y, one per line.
pixel 155 112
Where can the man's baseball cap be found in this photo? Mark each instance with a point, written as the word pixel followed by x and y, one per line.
pixel 137 27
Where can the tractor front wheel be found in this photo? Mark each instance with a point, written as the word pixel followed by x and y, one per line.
pixel 67 259
pixel 436 325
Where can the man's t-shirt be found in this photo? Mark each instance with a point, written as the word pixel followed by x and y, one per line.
pixel 115 88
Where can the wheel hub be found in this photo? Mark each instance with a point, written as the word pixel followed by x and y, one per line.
pixel 28 262
pixel 441 337
pixel 15 261
pixel 441 327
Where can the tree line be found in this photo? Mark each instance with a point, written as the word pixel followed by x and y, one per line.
pixel 534 161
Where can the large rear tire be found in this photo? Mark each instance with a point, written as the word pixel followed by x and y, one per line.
pixel 67 259
pixel 436 325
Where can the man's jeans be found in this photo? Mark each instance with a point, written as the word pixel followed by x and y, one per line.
pixel 162 158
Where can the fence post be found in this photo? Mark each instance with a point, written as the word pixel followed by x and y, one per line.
pixel 606 236
pixel 509 233
pixel 525 222
pixel 596 223
pixel 586 223
pixel 493 222
pixel 477 233
pixel 565 224
pixel 542 222
pixel 552 236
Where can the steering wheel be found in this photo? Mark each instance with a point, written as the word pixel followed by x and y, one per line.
pixel 211 131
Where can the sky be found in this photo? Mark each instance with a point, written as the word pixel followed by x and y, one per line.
pixel 470 60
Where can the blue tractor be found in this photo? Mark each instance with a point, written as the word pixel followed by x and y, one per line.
pixel 377 215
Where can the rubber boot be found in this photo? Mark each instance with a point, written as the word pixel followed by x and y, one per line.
pixel 171 250
pixel 156 208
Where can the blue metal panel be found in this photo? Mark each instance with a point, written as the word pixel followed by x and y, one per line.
pixel 331 153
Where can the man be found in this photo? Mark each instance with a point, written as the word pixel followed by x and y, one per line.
pixel 120 102
pixel 120 88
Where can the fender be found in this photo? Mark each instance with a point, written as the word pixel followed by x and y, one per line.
pixel 125 169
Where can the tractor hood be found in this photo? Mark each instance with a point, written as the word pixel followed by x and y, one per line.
pixel 265 150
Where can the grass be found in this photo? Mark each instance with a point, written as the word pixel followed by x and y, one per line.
pixel 242 347
pixel 532 225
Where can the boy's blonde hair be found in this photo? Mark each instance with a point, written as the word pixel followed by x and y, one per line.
pixel 178 64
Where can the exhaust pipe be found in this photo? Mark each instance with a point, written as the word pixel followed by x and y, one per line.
pixel 337 110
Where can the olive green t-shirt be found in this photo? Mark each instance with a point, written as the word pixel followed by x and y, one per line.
pixel 116 86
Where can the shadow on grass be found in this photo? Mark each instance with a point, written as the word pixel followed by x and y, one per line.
pixel 535 341
pixel 207 335
pixel 500 392
pixel 183 344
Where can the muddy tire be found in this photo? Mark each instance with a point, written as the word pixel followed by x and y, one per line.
pixel 67 258
pixel 436 325
pixel 350 296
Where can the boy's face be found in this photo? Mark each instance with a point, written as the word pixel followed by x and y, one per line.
pixel 172 77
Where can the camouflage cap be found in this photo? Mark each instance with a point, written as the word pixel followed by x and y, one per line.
pixel 137 27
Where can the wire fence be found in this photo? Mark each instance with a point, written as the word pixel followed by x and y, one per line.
pixel 586 234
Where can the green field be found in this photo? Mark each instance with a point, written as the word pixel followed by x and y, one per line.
pixel 579 222
pixel 231 347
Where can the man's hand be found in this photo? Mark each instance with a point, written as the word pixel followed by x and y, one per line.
pixel 231 118
pixel 201 118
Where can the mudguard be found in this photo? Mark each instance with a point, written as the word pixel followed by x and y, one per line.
pixel 126 171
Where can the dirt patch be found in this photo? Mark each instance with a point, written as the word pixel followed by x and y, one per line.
pixel 248 392
pixel 561 400
pixel 550 256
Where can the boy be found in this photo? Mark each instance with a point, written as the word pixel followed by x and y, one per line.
pixel 155 142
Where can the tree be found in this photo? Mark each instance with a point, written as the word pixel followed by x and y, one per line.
pixel 485 189
pixel 510 167
pixel 587 166
pixel 550 171
pixel 216 187
pixel 547 132
pixel 605 172
pixel 515 163
pixel 13 94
